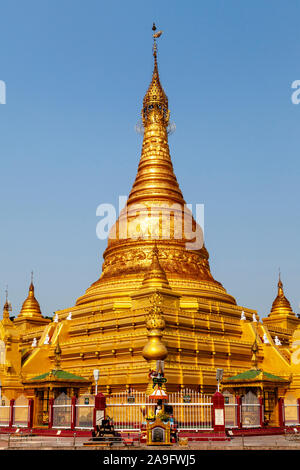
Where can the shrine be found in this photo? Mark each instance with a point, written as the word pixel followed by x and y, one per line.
pixel 157 326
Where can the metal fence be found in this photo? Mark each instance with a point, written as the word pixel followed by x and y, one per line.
pixel 291 413
pixel 191 410
pixel 129 411
pixel 21 412
pixel 250 410
pixel 62 412
pixel 84 412
pixel 231 415
pixel 4 412
pixel 230 410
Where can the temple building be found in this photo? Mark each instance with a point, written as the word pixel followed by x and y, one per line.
pixel 155 300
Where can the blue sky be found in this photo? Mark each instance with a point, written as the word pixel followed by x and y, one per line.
pixel 76 73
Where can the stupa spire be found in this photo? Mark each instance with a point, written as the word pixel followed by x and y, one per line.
pixel 280 286
pixel 155 212
pixel 6 309
pixel 155 176
pixel 155 103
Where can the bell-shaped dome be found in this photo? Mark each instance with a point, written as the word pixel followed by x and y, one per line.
pixel 281 305
pixel 31 307
pixel 156 214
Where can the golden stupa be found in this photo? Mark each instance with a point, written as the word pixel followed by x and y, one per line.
pixel 30 314
pixel 156 299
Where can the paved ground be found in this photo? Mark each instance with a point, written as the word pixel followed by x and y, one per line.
pixel 236 443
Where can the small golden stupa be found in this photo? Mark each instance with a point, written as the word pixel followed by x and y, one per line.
pixel 30 314
pixel 281 314
pixel 281 305
pixel 31 307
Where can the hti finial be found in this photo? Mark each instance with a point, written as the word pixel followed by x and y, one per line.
pixel 155 100
pixel 280 285
pixel 155 36
pixel 279 279
pixel 31 277
pixel 7 306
